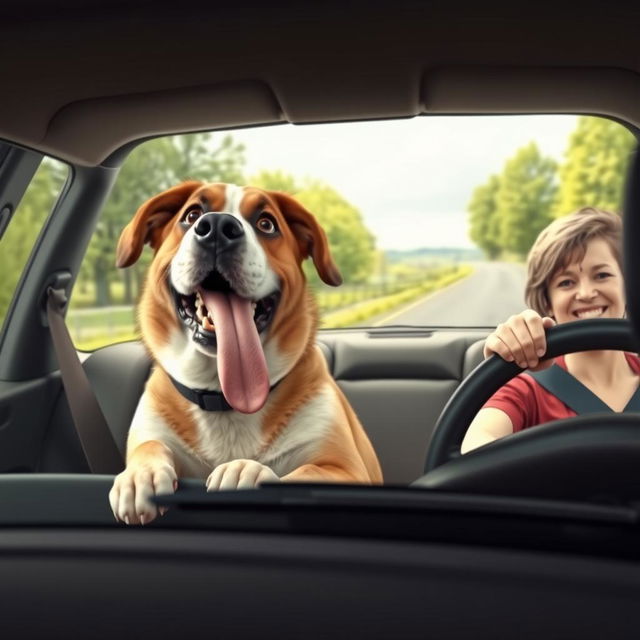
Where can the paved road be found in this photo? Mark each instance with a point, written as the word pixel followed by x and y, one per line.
pixel 493 292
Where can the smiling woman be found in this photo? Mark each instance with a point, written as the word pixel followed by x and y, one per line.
pixel 566 242
pixel 574 273
pixel 588 287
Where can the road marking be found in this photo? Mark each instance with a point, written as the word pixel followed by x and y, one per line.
pixel 415 303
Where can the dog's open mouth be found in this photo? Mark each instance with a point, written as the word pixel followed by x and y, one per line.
pixel 194 313
pixel 231 324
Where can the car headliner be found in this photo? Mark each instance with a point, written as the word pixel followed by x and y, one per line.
pixel 85 78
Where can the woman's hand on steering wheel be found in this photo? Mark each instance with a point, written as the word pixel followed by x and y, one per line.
pixel 521 339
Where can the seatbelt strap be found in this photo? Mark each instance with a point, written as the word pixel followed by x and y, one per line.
pixel 96 438
pixel 574 394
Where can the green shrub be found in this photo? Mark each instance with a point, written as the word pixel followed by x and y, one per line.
pixel 359 313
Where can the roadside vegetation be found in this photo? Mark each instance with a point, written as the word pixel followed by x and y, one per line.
pixel 507 213
pixel 361 313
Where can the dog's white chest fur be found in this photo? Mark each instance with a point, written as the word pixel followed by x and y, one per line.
pixel 231 435
pixel 226 436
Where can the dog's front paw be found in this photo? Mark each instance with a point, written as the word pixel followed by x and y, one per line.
pixel 132 489
pixel 240 474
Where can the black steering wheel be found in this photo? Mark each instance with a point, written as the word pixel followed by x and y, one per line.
pixel 596 455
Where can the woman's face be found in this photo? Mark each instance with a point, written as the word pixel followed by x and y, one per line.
pixel 590 288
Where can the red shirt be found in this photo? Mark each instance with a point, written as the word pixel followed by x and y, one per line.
pixel 529 404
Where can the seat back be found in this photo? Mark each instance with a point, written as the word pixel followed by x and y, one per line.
pixel 397 384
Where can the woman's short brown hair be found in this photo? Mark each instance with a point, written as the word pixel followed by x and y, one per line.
pixel 565 241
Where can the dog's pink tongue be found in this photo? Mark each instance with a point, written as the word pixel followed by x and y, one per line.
pixel 241 364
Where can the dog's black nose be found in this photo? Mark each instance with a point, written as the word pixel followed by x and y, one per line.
pixel 220 230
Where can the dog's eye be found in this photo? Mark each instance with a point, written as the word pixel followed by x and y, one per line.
pixel 191 216
pixel 267 224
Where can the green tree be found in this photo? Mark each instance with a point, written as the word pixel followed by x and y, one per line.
pixel 484 227
pixel 276 180
pixel 25 225
pixel 524 198
pixel 352 244
pixel 594 172
pixel 151 168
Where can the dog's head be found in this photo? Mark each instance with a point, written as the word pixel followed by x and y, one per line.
pixel 226 281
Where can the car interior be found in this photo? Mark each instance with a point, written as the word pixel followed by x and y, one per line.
pixel 533 536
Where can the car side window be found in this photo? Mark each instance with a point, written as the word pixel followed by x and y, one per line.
pixel 25 225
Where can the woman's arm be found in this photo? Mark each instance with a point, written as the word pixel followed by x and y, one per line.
pixel 488 425
pixel 520 339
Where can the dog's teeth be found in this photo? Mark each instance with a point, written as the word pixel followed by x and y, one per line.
pixel 207 324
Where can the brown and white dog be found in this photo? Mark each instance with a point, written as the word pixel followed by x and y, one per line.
pixel 230 323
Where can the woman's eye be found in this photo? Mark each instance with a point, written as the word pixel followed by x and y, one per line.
pixel 267 225
pixel 564 283
pixel 603 275
pixel 192 215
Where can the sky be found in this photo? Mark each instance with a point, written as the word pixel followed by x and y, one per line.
pixel 411 179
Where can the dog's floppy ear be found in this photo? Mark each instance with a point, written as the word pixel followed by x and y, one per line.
pixel 311 238
pixel 149 220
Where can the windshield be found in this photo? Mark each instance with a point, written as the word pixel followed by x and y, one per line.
pixel 429 219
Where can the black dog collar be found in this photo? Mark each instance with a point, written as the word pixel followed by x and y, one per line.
pixel 205 398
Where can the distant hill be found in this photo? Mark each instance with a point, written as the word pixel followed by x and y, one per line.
pixel 428 253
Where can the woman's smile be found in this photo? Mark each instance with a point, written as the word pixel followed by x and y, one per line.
pixel 590 312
